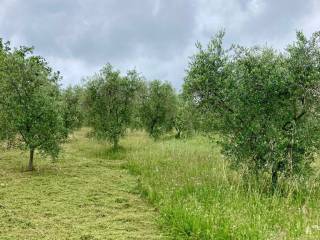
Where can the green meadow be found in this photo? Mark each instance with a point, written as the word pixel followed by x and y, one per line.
pixel 165 189
pixel 84 195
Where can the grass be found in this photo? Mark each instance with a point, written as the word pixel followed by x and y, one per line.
pixel 89 194
pixel 199 197
pixel 86 195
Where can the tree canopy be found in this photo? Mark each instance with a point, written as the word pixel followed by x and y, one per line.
pixel 158 108
pixel 110 99
pixel 264 103
pixel 29 102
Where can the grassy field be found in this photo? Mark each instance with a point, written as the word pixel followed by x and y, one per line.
pixel 192 194
pixel 85 195
pixel 199 197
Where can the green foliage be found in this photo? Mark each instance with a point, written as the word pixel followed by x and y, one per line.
pixel 265 104
pixel 137 103
pixel 110 98
pixel 72 108
pixel 158 108
pixel 199 197
pixel 5 130
pixel 185 121
pixel 29 102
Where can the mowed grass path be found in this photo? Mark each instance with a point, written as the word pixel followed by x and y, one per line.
pixel 85 195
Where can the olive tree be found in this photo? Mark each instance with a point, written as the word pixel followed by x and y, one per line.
pixel 185 120
pixel 141 91
pixel 264 104
pixel 158 108
pixel 110 99
pixel 5 130
pixel 29 103
pixel 72 108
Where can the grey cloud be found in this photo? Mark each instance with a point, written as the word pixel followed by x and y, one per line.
pixel 251 22
pixel 154 36
pixel 98 30
pixel 278 19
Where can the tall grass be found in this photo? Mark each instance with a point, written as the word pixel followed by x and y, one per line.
pixel 199 197
pixel 188 181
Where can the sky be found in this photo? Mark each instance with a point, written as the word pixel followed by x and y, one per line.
pixel 155 37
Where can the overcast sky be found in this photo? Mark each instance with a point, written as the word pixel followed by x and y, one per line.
pixel 155 37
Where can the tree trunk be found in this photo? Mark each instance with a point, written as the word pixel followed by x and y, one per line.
pixel 178 135
pixel 274 178
pixel 115 143
pixel 153 124
pixel 30 167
